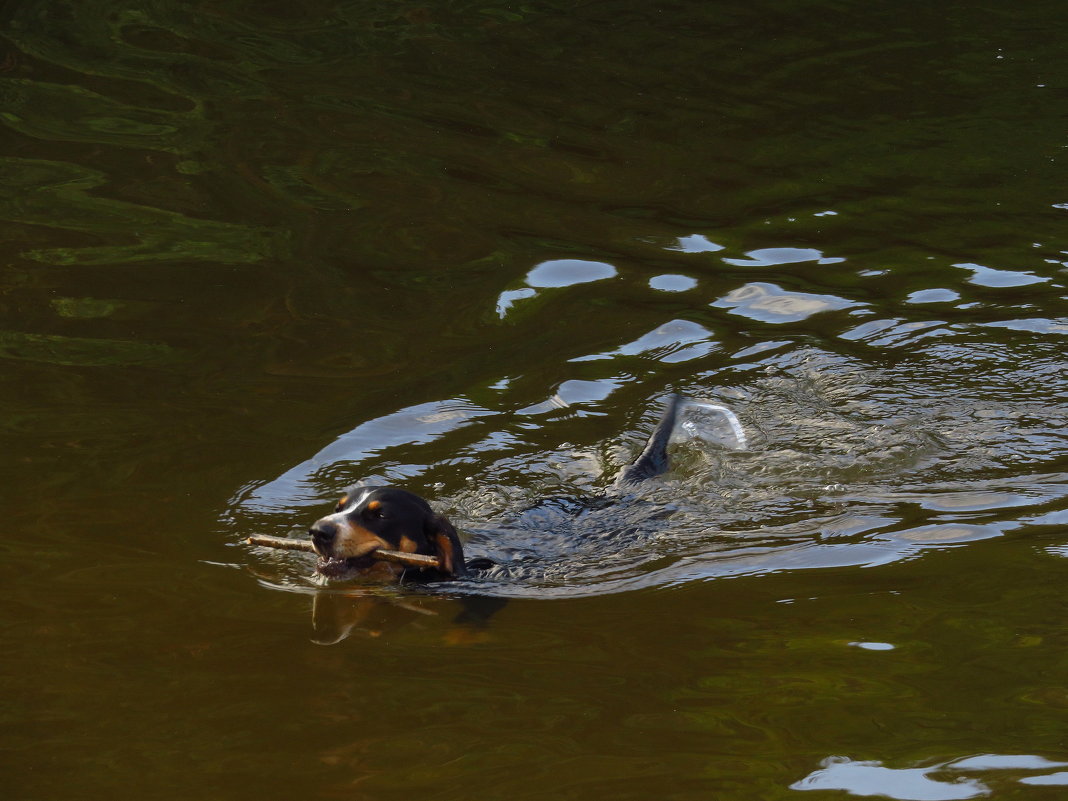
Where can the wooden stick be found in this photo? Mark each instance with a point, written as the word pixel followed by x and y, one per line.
pixel 408 559
pixel 280 542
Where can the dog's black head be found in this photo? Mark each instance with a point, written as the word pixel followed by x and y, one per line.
pixel 387 518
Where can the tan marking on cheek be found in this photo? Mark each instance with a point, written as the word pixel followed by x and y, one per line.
pixel 407 544
pixel 445 553
pixel 356 541
pixel 384 570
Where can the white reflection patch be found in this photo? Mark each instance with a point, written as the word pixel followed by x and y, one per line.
pixel 871 778
pixel 916 784
pixel 770 303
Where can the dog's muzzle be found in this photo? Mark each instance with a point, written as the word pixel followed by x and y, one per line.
pixel 323 534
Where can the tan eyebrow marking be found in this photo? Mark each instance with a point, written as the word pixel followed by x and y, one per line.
pixel 344 500
pixel 374 505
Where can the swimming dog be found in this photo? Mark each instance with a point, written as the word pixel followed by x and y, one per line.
pixel 381 518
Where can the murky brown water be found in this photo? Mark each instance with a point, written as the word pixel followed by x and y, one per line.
pixel 252 253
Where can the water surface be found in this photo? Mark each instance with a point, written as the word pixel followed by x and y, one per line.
pixel 255 252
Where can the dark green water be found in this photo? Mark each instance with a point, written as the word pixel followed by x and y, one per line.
pixel 252 252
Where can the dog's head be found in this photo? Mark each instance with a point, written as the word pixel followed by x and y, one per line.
pixel 371 518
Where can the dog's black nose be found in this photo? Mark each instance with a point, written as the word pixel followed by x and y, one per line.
pixel 323 533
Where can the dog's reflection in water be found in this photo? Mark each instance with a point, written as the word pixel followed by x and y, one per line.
pixel 338 615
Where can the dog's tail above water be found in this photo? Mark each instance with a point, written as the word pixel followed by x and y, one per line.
pixel 653 460
pixel 697 419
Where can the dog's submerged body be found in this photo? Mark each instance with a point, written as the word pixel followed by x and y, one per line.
pixel 369 518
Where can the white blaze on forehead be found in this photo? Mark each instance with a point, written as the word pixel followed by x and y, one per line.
pixel 356 499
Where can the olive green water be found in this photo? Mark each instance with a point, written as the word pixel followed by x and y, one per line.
pixel 252 252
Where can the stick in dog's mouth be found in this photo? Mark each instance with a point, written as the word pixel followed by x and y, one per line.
pixel 417 560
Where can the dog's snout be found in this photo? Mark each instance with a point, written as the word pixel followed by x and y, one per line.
pixel 323 533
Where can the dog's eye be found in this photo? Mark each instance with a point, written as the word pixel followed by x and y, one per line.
pixel 376 513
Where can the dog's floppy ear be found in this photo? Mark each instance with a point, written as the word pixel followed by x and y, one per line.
pixel 446 544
